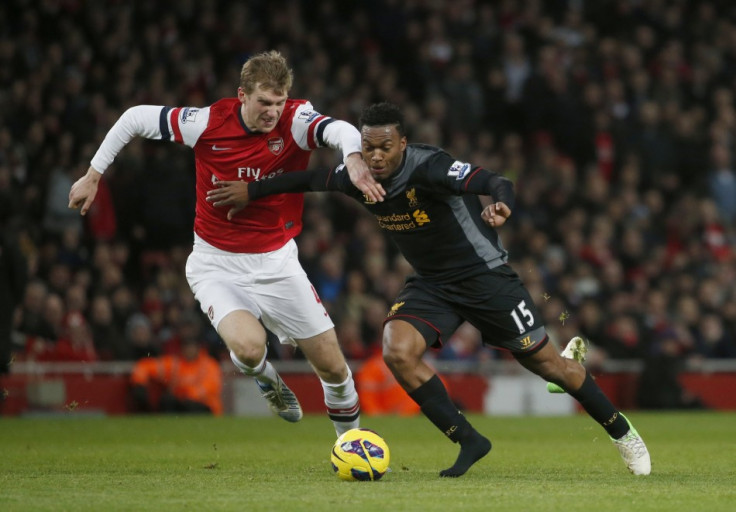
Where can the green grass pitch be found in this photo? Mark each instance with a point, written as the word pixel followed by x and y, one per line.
pixel 161 463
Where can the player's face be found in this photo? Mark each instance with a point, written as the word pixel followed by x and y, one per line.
pixel 383 149
pixel 262 108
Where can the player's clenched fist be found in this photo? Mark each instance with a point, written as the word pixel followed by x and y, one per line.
pixel 495 214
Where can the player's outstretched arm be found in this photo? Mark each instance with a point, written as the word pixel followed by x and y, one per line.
pixel 84 190
pixel 140 120
pixel 237 194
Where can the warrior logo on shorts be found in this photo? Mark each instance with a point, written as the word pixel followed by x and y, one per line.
pixel 276 145
pixel 211 312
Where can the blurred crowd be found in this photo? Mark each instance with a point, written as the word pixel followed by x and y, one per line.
pixel 615 119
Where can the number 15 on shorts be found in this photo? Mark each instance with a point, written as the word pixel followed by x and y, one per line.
pixel 520 314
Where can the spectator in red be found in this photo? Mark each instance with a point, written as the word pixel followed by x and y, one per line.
pixel 75 343
pixel 41 344
pixel 101 219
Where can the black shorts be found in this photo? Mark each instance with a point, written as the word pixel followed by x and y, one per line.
pixel 495 302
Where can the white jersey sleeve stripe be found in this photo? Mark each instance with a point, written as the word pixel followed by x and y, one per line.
pixel 139 121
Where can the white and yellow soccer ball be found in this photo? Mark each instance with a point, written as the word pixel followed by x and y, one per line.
pixel 360 454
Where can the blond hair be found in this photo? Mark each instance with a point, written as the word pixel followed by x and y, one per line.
pixel 267 69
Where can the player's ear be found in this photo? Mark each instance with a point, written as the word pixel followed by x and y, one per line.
pixel 403 143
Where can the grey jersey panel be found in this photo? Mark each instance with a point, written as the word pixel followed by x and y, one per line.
pixel 490 251
pixel 416 157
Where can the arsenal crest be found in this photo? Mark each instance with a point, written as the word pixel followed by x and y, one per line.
pixel 275 145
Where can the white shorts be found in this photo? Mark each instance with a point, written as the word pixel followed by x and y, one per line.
pixel 273 286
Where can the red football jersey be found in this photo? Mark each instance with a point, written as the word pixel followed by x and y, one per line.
pixel 227 151
pixel 224 149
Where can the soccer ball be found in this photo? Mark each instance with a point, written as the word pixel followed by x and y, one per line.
pixel 360 454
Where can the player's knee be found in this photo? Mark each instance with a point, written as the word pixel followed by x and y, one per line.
pixel 249 353
pixel 398 354
pixel 334 371
pixel 338 376
pixel 403 346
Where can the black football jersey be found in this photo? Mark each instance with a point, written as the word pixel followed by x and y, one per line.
pixel 431 211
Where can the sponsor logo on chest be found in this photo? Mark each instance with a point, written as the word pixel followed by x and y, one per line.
pixel 250 174
pixel 392 218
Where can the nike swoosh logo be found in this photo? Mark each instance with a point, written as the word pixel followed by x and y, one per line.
pixel 215 148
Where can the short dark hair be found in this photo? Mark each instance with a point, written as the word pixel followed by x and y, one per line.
pixel 381 114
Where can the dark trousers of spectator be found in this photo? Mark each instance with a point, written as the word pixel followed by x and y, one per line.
pixel 171 404
pixel 167 403
pixel 659 386
pixel 13 277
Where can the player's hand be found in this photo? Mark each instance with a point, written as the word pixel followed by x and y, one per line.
pixel 84 190
pixel 495 214
pixel 229 193
pixel 362 178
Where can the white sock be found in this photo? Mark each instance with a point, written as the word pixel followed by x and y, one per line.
pixel 343 405
pixel 263 371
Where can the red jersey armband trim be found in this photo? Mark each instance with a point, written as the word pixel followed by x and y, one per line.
pixel 467 181
pixel 311 141
pixel 174 117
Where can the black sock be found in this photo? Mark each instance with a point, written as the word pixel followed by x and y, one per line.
pixel 436 405
pixel 600 408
